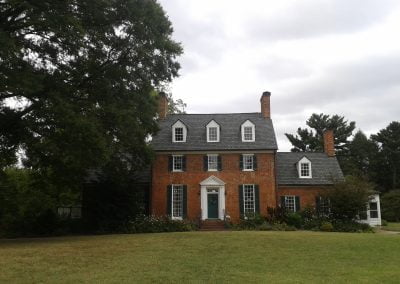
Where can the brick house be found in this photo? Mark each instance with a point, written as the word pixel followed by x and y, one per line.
pixel 210 166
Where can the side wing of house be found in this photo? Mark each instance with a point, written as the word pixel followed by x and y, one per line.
pixel 302 177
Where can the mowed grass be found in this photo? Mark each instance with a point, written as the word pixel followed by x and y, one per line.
pixel 217 257
pixel 391 227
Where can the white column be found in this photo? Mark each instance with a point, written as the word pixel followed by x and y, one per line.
pixel 221 202
pixel 203 201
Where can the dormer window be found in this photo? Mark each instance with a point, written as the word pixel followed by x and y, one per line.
pixel 248 131
pixel 212 131
pixel 179 132
pixel 304 168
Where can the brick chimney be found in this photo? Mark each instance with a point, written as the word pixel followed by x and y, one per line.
pixel 162 105
pixel 329 144
pixel 265 105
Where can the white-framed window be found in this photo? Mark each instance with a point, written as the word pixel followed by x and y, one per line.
pixel 212 161
pixel 177 163
pixel 290 203
pixel 323 206
pixel 212 134
pixel 248 162
pixel 177 201
pixel 373 210
pixel 212 131
pixel 179 132
pixel 249 199
pixel 73 212
pixel 304 168
pixel 248 131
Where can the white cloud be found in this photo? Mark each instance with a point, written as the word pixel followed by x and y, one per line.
pixel 331 56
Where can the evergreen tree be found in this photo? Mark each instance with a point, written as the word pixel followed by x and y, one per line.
pixel 361 157
pixel 387 164
pixel 311 140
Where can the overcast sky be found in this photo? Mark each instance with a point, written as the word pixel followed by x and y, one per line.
pixel 323 56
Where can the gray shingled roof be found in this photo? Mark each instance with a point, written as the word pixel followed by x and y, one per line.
pixel 325 170
pixel 230 137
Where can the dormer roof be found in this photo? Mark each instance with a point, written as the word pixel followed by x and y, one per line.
pixel 325 170
pixel 230 136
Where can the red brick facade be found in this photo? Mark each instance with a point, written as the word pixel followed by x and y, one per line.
pixel 231 174
pixel 307 194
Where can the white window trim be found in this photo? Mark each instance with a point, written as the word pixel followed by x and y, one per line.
pixel 294 202
pixel 252 164
pixel 179 124
pixel 172 202
pixel 211 124
pixel 254 198
pixel 248 123
pixel 208 163
pixel 173 163
pixel 304 160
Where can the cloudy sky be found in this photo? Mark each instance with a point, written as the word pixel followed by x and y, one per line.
pixel 324 56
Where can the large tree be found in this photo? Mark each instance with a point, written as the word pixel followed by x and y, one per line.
pixel 388 161
pixel 77 81
pixel 361 157
pixel 311 139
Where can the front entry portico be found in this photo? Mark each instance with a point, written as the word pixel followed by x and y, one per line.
pixel 212 192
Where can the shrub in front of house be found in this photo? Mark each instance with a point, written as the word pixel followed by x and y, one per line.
pixel 294 219
pixel 351 227
pixel 155 224
pixel 250 222
pixel 348 198
pixel 326 226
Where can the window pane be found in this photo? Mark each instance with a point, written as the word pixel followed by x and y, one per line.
pixel 324 206
pixel 76 212
pixel 304 169
pixel 178 163
pixel 248 133
pixel 290 203
pixel 248 198
pixel 373 214
pixel 213 162
pixel 177 201
pixel 247 162
pixel 373 210
pixel 179 134
pixel 213 134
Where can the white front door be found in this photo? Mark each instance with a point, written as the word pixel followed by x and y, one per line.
pixel 212 198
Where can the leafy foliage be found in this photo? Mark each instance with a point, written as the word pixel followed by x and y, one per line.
pixel 26 207
pixel 349 198
pixel 76 82
pixel 388 168
pixel 153 224
pixel 311 140
pixel 360 159
pixel 175 106
pixel 390 203
pixel 111 203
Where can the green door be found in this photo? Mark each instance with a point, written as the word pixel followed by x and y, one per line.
pixel 212 201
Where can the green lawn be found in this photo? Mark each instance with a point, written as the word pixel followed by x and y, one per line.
pixel 391 227
pixel 237 257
